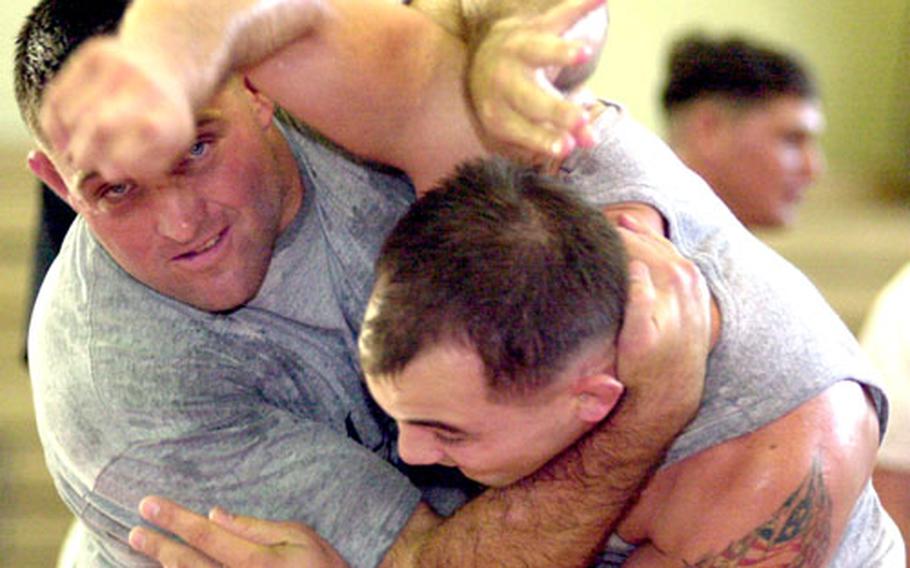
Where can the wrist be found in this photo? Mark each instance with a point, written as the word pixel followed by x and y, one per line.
pixel 185 60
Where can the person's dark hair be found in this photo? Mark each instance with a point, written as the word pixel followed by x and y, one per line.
pixel 51 32
pixel 734 68
pixel 506 261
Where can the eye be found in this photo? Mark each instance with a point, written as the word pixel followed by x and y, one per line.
pixel 199 149
pixel 449 439
pixel 116 191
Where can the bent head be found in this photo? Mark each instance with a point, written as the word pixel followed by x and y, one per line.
pixel 490 333
pixel 204 232
pixel 748 120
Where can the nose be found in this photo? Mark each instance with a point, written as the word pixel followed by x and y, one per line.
pixel 417 446
pixel 180 212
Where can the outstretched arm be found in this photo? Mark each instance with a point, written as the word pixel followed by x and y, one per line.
pixel 374 76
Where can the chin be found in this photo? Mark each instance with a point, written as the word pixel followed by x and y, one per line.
pixel 216 301
pixel 493 479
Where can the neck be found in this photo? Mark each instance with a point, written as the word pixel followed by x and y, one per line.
pixel 288 174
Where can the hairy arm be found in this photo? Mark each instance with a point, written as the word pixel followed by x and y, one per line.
pixel 780 496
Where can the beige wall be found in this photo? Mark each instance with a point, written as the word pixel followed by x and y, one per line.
pixel 12 13
pixel 859 49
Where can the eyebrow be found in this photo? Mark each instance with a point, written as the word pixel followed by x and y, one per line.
pixel 82 177
pixel 206 117
pixel 435 424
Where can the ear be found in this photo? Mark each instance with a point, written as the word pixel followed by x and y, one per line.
pixel 596 395
pixel 263 106
pixel 41 165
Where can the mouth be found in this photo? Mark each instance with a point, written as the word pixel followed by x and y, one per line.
pixel 207 248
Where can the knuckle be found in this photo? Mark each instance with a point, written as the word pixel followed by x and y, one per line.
pixel 683 273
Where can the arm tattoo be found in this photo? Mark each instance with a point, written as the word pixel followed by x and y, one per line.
pixel 797 535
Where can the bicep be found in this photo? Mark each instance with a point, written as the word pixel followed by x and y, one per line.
pixel 779 496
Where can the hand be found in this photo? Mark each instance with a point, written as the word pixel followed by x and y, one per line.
pixel 664 342
pixel 511 80
pixel 223 539
pixel 117 112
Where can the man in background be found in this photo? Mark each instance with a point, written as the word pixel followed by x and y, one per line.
pixel 747 119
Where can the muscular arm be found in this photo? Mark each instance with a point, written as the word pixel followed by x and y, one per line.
pixel 779 496
pixel 378 78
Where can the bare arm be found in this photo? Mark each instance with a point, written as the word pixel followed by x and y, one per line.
pixel 372 75
pixel 779 496
pixel 379 79
pixel 124 105
pixel 893 487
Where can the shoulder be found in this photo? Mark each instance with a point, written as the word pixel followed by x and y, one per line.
pixel 807 469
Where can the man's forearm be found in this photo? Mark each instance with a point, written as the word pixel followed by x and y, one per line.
pixel 201 42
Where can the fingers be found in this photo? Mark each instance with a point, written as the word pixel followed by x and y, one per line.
pixel 112 112
pixel 664 342
pixel 205 539
pixel 511 76
pixel 638 325
pixel 170 553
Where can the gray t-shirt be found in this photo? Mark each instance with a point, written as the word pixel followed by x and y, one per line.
pixel 780 344
pixel 260 410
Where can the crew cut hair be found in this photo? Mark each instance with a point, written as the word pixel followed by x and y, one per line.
pixel 734 68
pixel 503 260
pixel 51 32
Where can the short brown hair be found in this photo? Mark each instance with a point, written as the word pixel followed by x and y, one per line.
pixel 504 259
